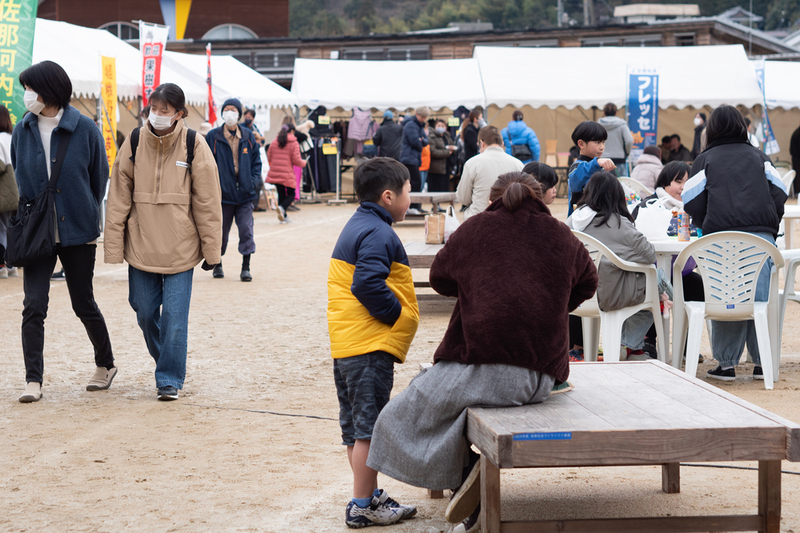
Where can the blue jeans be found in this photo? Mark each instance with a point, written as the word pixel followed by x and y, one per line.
pixel 161 302
pixel 728 338
pixel 635 328
pixel 423 176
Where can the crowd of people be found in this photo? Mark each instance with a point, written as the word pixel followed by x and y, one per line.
pixel 174 195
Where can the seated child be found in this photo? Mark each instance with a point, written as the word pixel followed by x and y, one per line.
pixel 604 215
pixel 508 329
pixel 372 318
pixel 546 177
pixel 590 137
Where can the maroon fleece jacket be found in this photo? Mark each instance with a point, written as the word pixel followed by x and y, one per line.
pixel 517 276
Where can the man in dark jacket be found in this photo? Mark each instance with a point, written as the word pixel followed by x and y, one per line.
pixel 239 178
pixel 794 151
pixel 388 137
pixel 678 151
pixel 413 141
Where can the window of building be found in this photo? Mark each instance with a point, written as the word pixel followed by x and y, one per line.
pixel 226 32
pixel 539 43
pixel 392 53
pixel 685 39
pixel 642 40
pixel 124 30
pixel 600 41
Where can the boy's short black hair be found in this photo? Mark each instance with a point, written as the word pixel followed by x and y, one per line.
pixel 666 139
pixel 588 131
pixel 544 174
pixel 50 81
pixel 378 174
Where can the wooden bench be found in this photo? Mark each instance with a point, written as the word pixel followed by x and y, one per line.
pixel 430 197
pixel 420 255
pixel 632 413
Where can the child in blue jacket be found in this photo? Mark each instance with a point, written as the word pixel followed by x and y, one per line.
pixel 590 137
pixel 372 318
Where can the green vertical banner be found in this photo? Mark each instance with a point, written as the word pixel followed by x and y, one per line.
pixel 17 25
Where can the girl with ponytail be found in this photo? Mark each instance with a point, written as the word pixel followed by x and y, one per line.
pixel 517 272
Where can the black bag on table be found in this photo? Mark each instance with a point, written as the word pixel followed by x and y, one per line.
pixel 32 231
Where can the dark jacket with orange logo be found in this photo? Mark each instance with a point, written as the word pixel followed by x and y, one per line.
pixel 372 305
pixel 244 187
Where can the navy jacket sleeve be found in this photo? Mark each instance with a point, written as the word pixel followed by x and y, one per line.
pixel 412 134
pixel 98 166
pixel 255 162
pixel 471 138
pixel 373 265
pixel 579 177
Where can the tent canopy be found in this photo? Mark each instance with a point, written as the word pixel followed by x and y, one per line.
pixel 231 79
pixel 384 84
pixel 781 84
pixel 584 77
pixel 81 60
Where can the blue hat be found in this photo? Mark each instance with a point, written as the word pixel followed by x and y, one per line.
pixel 235 103
pixel 388 114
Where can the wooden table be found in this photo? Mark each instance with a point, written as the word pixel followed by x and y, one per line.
pixel 431 197
pixel 420 255
pixel 634 413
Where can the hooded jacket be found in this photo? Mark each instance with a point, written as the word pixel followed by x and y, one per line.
pixel 734 187
pixel 283 160
pixel 414 139
pixel 236 190
pixel 617 288
pixel 388 139
pixel 647 170
pixel 620 139
pixel 517 275
pixel 371 300
pixel 161 218
pixel 82 182
pixel 517 132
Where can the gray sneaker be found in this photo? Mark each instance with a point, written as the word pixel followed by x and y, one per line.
pixel 374 514
pixel 167 394
pixel 408 510
pixel 33 392
pixel 102 378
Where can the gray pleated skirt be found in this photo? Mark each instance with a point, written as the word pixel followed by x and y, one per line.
pixel 419 437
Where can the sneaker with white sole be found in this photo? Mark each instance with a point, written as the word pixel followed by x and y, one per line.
pixel 471 524
pixel 167 394
pixel 13 272
pixel 281 213
pixel 3 273
pixel 374 514
pixel 408 510
pixel 102 378
pixel 758 373
pixel 722 375
pixel 466 498
pixel 33 392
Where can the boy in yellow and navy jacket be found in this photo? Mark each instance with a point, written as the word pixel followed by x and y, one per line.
pixel 372 318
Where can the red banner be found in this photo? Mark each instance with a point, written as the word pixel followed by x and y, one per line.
pixel 151 69
pixel 212 107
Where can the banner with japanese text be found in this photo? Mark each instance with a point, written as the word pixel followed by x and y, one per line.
pixel 212 106
pixel 108 100
pixel 152 40
pixel 770 143
pixel 17 24
pixel 642 107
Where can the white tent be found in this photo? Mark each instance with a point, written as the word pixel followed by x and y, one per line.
pixel 584 77
pixel 781 84
pixel 231 79
pixel 385 84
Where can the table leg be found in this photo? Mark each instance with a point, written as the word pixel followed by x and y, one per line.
pixel 671 478
pixel 787 232
pixel 769 495
pixel 435 494
pixel 490 496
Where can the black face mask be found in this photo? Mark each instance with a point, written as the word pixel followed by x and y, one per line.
pixel 248 121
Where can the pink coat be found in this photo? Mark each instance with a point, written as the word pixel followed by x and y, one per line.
pixel 282 161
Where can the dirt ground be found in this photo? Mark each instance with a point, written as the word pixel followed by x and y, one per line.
pixel 254 444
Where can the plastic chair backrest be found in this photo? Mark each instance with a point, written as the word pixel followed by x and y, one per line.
pixel 729 262
pixel 597 250
pixel 639 188
pixel 788 178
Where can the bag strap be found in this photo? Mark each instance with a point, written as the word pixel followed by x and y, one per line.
pixel 134 144
pixel 63 143
pixel 191 135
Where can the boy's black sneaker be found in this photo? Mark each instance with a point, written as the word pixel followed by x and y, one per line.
pixel 722 375
pixel 374 514
pixel 408 510
pixel 758 373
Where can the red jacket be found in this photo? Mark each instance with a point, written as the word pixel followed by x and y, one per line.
pixel 282 161
pixel 517 275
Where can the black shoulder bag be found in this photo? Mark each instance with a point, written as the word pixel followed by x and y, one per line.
pixel 32 231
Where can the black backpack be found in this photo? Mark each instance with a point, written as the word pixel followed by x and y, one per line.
pixel 191 135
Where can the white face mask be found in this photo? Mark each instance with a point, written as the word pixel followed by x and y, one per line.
pixel 32 103
pixel 440 130
pixel 160 123
pixel 230 118
pixel 698 121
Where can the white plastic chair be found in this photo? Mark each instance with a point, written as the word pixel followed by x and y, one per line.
pixel 729 262
pixel 792 261
pixel 788 179
pixel 638 187
pixel 611 321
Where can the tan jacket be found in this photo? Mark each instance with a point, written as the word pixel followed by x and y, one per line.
pixel 160 218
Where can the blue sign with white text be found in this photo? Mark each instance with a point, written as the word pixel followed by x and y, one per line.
pixel 642 109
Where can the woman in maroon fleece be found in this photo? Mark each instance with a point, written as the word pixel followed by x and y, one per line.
pixel 517 273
